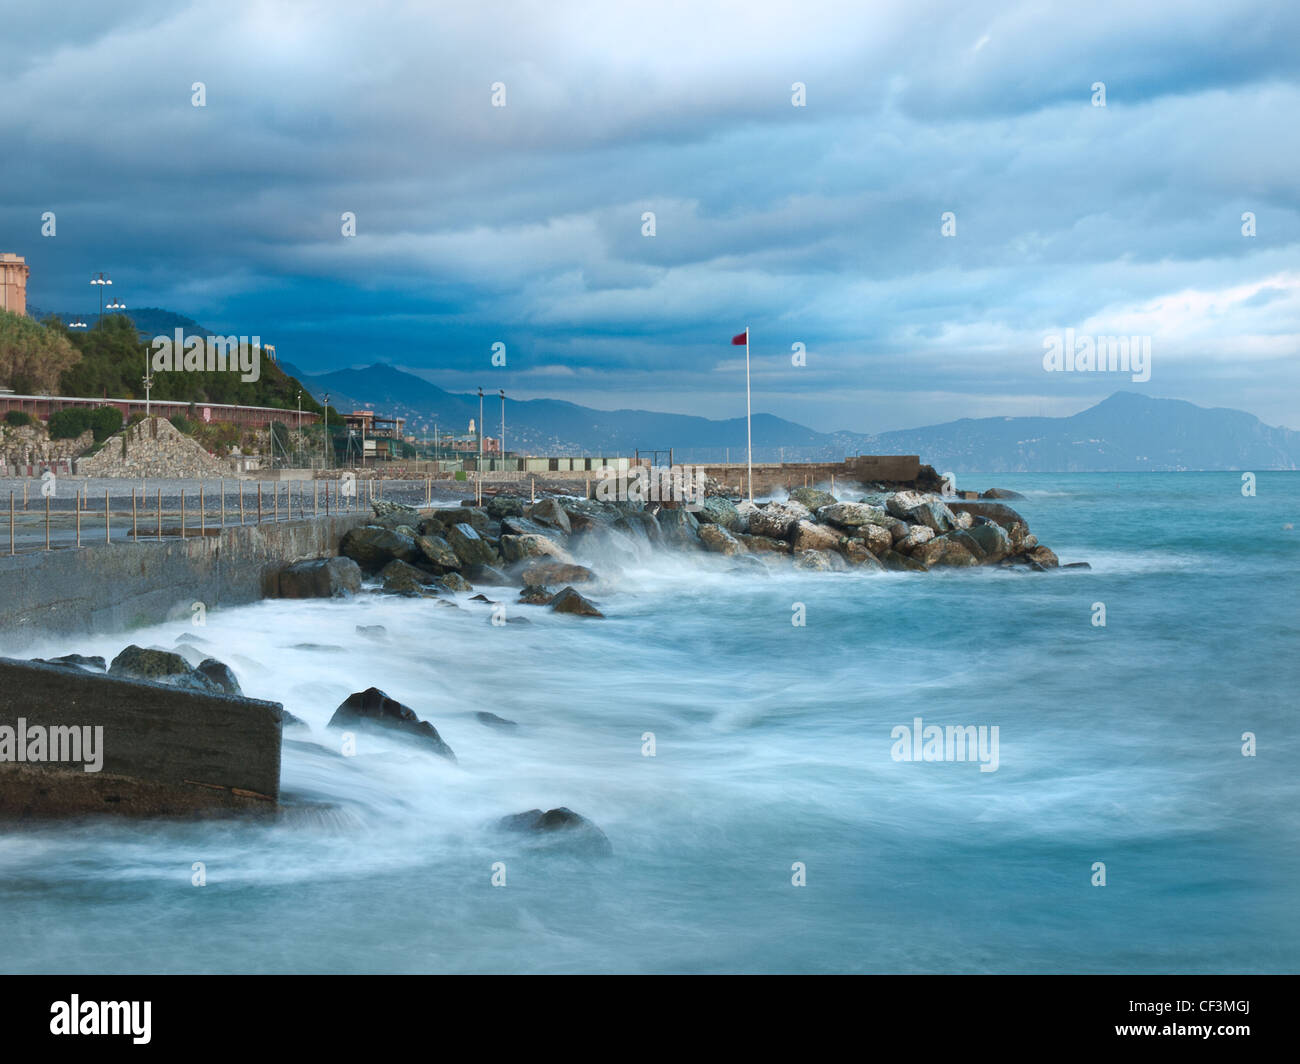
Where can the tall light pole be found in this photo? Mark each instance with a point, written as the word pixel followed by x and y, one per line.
pixel 100 280
pixel 299 410
pixel 480 430
pixel 502 393
pixel 327 430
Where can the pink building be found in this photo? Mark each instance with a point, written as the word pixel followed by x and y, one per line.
pixel 13 282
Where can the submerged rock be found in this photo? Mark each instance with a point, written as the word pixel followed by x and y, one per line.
pixel 1000 493
pixel 491 720
pixel 534 595
pixel 569 601
pixel 93 663
pixel 563 828
pixel 373 708
pixel 219 673
pixel 541 573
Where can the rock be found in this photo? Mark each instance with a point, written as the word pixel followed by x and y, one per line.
pixel 856 552
pixel 93 663
pixel 717 540
pixel 519 548
pixel 933 514
pixel 808 535
pixel 896 562
pixel 563 828
pixel 1044 557
pixel 765 544
pixel 818 560
pixel 569 601
pixel 474 516
pixel 372 631
pixel 373 708
pixel 523 526
pixel 1001 493
pixel 470 547
pixel 401 578
pixel 500 506
pixel 373 547
pixel 160 666
pixel 1075 565
pixel 748 564
pixel 455 582
pixel 541 573
pixel 994 511
pixel 383 508
pixel 437 552
pixel 902 503
pixel 550 512
pixel 964 521
pixel 491 720
pixel 319 578
pixel 744 511
pixel 642 526
pixel 992 539
pixel 777 519
pixel 680 528
pixel 587 513
pixel 878 538
pixel 288 720
pixel 851 515
pixel 489 574
pixel 431 525
pixel 533 595
pixel 813 498
pixel 721 511
pixel 219 673
pixel 945 552
pixel 917 536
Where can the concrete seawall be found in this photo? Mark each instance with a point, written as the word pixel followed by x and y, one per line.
pixel 161 751
pixel 116 586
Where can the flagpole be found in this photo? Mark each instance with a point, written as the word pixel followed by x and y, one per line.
pixel 749 430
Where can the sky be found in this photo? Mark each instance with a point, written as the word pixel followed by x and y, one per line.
pixel 820 224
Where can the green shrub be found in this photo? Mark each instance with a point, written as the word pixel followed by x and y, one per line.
pixel 182 424
pixel 104 421
pixel 18 418
pixel 69 423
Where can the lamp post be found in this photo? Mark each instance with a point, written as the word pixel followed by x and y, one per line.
pixel 299 410
pixel 502 393
pixel 117 304
pixel 327 430
pixel 148 384
pixel 480 430
pixel 100 280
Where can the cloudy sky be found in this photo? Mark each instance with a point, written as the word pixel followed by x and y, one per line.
pixel 816 224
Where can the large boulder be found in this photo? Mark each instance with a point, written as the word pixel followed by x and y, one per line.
pixel 570 601
pixel 372 547
pixel 878 538
pixel 471 548
pixel 386 510
pixel 474 516
pixel 550 512
pixel 778 519
pixel 744 511
pixel 995 511
pixel 896 562
pixel 945 552
pixel 319 578
pixel 680 528
pixel 1000 493
pixel 561 828
pixel 808 535
pixel 500 506
pixel 373 709
pixel 851 515
pixel 929 511
pixel 438 553
pixel 718 540
pixel 1044 557
pixel 917 536
pixel 719 510
pixel 220 674
pixel 902 503
pixel 524 526
pixel 161 666
pixel 551 571
pixel 765 544
pixel 585 513
pixel 813 498
pixel 519 548
pixel 402 578
pixel 992 540
pixel 856 552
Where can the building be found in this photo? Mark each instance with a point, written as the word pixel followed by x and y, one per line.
pixel 13 282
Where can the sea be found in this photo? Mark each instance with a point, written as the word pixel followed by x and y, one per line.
pixel 735 735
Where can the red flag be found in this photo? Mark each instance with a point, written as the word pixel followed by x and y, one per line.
pixel 743 338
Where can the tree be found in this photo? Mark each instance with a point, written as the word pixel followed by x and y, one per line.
pixel 33 357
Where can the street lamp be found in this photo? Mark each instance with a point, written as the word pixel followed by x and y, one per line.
pixel 327 429
pixel 299 410
pixel 116 305
pixel 480 429
pixel 502 393
pixel 100 280
pixel 78 324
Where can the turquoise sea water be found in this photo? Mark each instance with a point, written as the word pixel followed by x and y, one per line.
pixel 1120 745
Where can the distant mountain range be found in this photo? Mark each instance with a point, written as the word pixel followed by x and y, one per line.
pixel 1126 432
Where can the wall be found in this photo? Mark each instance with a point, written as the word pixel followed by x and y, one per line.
pixel 114 586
